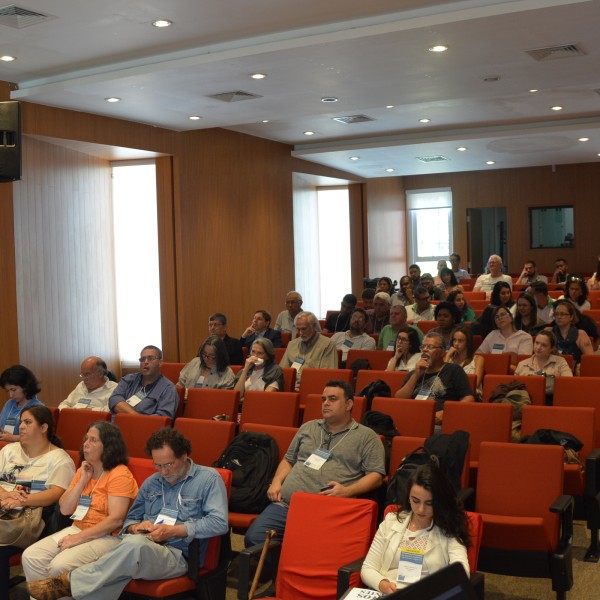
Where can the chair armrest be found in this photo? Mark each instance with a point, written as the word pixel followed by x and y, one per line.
pixel 245 557
pixel 193 559
pixel 592 473
pixel 466 496
pixel 344 574
pixel 563 505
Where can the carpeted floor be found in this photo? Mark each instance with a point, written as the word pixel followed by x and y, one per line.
pixel 586 576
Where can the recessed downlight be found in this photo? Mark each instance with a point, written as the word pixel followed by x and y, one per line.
pixel 390 170
pixel 462 148
pixel 162 23
pixel 534 90
pixel 490 162
pixel 425 120
pixel 259 76
pixel 354 157
pixel 112 99
pixel 309 133
pixel 329 99
pixel 194 118
pixel 265 120
pixel 390 106
pixel 438 48
pixel 583 139
pixel 557 107
pixel 7 58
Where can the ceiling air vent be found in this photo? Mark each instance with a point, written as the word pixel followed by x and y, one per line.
pixel 430 159
pixel 353 119
pixel 552 52
pixel 17 17
pixel 234 96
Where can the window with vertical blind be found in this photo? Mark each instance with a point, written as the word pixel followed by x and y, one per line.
pixel 429 227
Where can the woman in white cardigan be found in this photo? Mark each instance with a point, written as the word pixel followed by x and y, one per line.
pixel 412 544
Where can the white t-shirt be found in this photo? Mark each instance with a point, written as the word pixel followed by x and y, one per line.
pixel 486 282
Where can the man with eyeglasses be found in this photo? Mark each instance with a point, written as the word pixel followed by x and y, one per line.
pixel 434 379
pixel 387 337
pixel 182 502
pixel 94 389
pixel 455 265
pixel 147 392
pixel 285 319
pixel 487 281
pixel 422 309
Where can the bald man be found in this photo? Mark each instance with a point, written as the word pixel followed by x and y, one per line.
pixel 94 389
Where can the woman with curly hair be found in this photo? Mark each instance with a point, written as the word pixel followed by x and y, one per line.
pixel 431 526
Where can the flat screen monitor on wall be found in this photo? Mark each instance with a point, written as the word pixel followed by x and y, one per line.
pixel 10 141
pixel 552 227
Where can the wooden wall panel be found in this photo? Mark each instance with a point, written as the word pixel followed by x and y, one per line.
pixel 64 265
pixel 358 233
pixel 517 190
pixel 234 231
pixel 386 219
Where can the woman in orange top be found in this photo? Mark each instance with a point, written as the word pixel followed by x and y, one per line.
pixel 97 500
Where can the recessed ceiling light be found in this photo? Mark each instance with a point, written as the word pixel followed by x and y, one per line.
pixel 113 99
pixel 462 148
pixel 162 23
pixel 533 91
pixel 329 99
pixel 390 106
pixel 258 76
pixel 425 120
pixel 390 170
pixel 490 162
pixel 194 118
pixel 354 157
pixel 309 133
pixel 557 107
pixel 439 48
pixel 8 58
pixel 583 139
pixel 265 120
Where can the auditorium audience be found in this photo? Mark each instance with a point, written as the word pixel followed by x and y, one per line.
pixel 577 292
pixel 260 372
pixel 379 316
pixel 355 338
pixel 285 319
pixel 405 295
pixel 461 353
pixel 339 320
pixel 387 336
pixel 210 369
pixel 260 327
pixel 406 351
pixel 217 325
pixel 486 282
pixel 467 314
pixel 447 317
pixel 526 315
pixel 94 389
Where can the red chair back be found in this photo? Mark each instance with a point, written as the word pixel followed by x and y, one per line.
pixel 395 379
pixel 535 385
pixel 206 403
pixel 378 359
pixel 136 430
pixel 171 370
pixel 271 408
pixel 312 408
pixel 411 417
pixel 208 438
pixel 282 435
pixel 73 423
pixel 496 364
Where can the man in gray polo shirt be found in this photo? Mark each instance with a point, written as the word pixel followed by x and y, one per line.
pixel 332 456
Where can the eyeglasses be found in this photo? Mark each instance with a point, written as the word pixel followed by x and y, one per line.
pixel 167 466
pixel 84 375
pixel 501 316
pixel 211 356
pixel 404 340
pixel 562 314
pixel 430 347
pixel 144 359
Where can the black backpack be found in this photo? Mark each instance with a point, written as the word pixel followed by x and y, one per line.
pixel 252 458
pixel 382 424
pixel 446 450
pixel 374 389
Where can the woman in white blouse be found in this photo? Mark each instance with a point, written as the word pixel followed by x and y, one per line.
pixel 407 353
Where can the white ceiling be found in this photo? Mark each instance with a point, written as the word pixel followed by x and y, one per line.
pixel 368 54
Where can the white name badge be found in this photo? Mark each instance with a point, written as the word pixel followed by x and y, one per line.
pixel 199 382
pixel 498 348
pixel 83 403
pixel 136 399
pixel 391 346
pixel 410 565
pixel 317 459
pixel 167 516
pixel 82 508
pixel 297 364
pixel 348 343
pixel 10 426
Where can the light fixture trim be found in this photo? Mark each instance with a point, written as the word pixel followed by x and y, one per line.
pixel 112 99
pixel 490 162
pixel 438 48
pixel 355 158
pixel 329 99
pixel 462 148
pixel 8 58
pixel 160 23
pixel 424 120
pixel 557 107
pixel 583 139
pixel 258 76
pixel 309 133
pixel 194 118
pixel 390 170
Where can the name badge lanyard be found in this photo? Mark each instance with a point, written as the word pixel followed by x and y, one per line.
pixel 84 502
pixel 321 455
pixel 11 420
pixel 168 516
pixel 422 396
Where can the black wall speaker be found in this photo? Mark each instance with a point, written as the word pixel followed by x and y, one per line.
pixel 10 141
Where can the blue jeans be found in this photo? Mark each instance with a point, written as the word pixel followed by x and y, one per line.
pixel 273 517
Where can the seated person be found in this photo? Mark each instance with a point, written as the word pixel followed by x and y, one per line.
pixel 441 264
pixel 339 320
pixel 501 296
pixel 384 284
pixel 260 327
pixel 433 379
pixel 435 293
pixel 449 283
pixel 387 336
pixel 210 369
pixel 455 264
pixel 260 373
pixel 217 325
pixel 310 349
pixel 21 385
pixel 530 275
pixel 285 319
pixel 545 361
pixel 147 392
pixel 505 338
pixel 448 318
pixel 432 525
pixel 379 316
pixel 526 315
pixel 577 293
pixel 544 302
pixel 467 314
pixel 561 271
pixel 421 310
pixel 407 350
pixel 462 354
pixel 104 479
pixel 405 295
pixel 414 272
pixel 367 298
pixel 485 283
pixel 355 337
pixel 94 389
